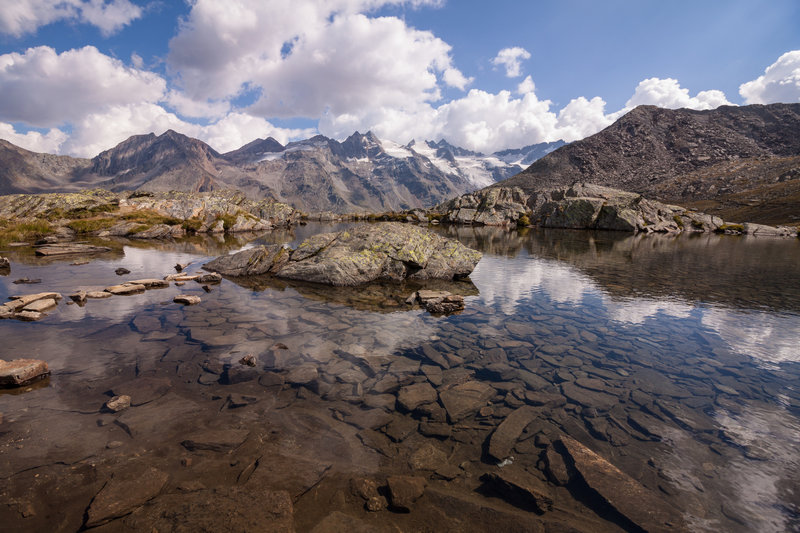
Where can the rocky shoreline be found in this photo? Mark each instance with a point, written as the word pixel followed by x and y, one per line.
pixel 60 217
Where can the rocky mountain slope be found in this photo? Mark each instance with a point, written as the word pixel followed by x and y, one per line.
pixel 736 162
pixel 362 173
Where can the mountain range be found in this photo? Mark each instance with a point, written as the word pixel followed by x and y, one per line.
pixel 741 163
pixel 361 173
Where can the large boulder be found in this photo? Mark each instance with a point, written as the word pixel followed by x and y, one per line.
pixel 370 252
pixel 500 206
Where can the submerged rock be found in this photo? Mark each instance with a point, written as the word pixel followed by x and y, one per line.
pixel 405 490
pixel 19 372
pixel 641 506
pixel 123 493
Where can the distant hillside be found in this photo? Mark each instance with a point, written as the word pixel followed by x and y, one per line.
pixel 362 173
pixel 742 163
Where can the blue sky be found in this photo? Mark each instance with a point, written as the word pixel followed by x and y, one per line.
pixel 79 76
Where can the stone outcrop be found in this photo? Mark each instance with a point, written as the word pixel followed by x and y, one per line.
pixel 146 215
pixel 251 262
pixel 586 206
pixel 390 252
pixel 500 206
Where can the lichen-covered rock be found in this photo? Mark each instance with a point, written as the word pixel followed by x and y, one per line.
pixel 501 206
pixel 584 206
pixel 250 262
pixel 390 251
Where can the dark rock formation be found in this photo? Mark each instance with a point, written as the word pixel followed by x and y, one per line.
pixel 741 163
pixel 587 206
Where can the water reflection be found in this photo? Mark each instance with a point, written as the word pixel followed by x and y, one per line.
pixel 684 378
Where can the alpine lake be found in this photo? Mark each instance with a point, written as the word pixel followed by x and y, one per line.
pixel 676 359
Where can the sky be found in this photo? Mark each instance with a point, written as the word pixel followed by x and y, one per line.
pixel 79 76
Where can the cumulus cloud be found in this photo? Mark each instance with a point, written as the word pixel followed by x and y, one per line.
pixel 526 86
pixel 44 89
pixel 511 59
pixel 19 17
pixel 34 141
pixel 100 131
pixel 779 83
pixel 480 121
pixel 305 56
pixel 668 93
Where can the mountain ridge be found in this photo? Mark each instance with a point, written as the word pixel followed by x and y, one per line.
pixel 733 161
pixel 362 172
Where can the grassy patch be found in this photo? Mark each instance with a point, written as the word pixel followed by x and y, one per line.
pixel 697 224
pixel 23 231
pixel 730 227
pixel 89 225
pixel 147 216
pixel 523 221
pixel 678 220
pixel 192 225
pixel 228 221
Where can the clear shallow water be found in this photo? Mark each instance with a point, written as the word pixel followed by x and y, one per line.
pixel 678 360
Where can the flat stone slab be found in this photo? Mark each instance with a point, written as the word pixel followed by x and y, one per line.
pixel 18 303
pixel 516 483
pixel 123 493
pixel 221 509
pixel 412 396
pixel 215 440
pixel 466 399
pixel 150 283
pixel 640 505
pixel 125 289
pixel 19 372
pixel 69 248
pixel 40 306
pixel 505 436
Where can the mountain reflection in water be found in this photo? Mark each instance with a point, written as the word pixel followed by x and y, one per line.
pixel 687 348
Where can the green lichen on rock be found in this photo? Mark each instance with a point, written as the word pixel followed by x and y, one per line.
pixel 370 252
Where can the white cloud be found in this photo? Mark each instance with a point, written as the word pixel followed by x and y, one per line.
pixel 480 121
pixel 18 17
pixel 34 141
pixel 45 89
pixel 779 83
pixel 304 57
pixel 189 107
pixel 668 93
pixel 100 131
pixel 510 58
pixel 526 86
